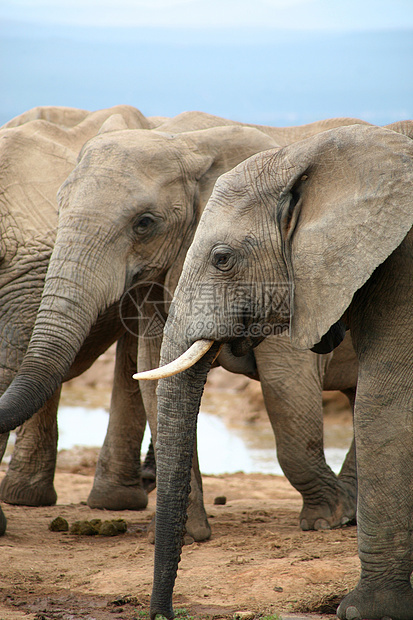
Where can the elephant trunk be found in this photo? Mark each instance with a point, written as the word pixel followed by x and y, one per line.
pixel 73 296
pixel 179 397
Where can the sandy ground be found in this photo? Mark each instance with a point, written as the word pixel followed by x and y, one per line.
pixel 257 561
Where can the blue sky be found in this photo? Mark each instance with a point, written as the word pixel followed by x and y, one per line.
pixel 290 14
pixel 275 62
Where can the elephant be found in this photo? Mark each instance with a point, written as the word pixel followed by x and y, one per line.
pixel 166 178
pixel 38 150
pixel 314 239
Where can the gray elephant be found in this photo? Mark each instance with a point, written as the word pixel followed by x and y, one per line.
pixel 320 236
pixel 38 150
pixel 166 180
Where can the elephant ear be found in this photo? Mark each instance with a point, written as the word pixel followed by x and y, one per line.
pixel 345 208
pixel 210 153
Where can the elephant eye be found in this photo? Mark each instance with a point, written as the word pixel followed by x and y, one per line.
pixel 143 224
pixel 223 259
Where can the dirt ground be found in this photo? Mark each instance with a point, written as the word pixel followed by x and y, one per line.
pixel 257 561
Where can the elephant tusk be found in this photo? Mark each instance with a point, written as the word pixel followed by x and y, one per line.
pixel 184 361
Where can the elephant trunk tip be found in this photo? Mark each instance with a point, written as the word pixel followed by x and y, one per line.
pixel 22 399
pixel 161 610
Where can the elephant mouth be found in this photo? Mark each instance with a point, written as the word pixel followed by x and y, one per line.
pixel 242 346
pixel 239 348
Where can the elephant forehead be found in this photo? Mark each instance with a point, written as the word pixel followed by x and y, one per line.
pixel 151 167
pixel 213 229
pixel 110 157
pixel 95 187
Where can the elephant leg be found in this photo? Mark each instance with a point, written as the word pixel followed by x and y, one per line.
pixel 3 523
pixel 3 444
pixel 117 484
pixel 197 526
pixel 29 478
pixel 4 438
pixel 348 472
pixel 149 470
pixel 383 421
pixel 291 384
pixel 385 508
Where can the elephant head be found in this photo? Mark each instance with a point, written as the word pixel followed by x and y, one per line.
pixel 293 239
pixel 127 214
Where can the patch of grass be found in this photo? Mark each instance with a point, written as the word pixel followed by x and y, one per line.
pixel 183 614
pixel 180 614
pixel 271 617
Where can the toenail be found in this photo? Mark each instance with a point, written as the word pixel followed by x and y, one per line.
pixel 321 524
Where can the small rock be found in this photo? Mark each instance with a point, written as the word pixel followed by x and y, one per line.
pixel 244 615
pixel 221 500
pixel 278 589
pixel 59 525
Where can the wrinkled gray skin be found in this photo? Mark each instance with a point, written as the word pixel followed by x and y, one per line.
pixel 102 249
pixel 329 219
pixel 38 150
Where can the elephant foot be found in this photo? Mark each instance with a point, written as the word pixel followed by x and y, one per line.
pixel 3 523
pixel 200 533
pixel 382 604
pixel 23 490
pixel 329 516
pixel 197 526
pixel 110 496
pixel 148 480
